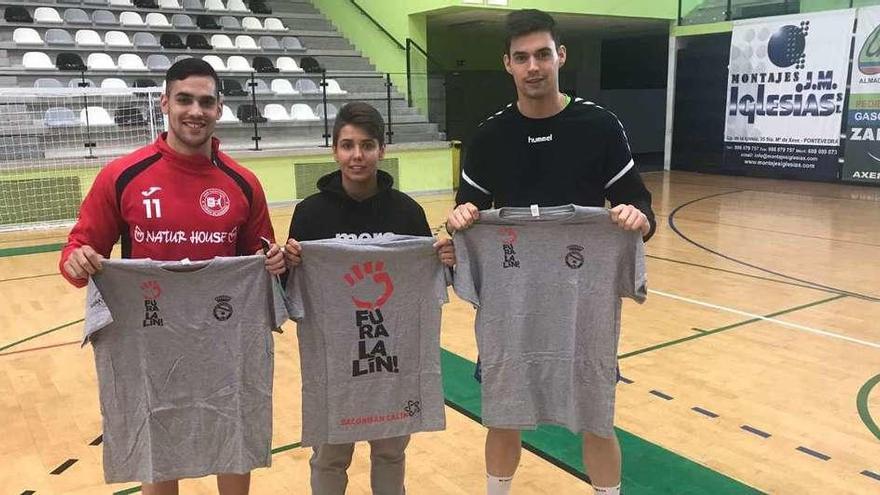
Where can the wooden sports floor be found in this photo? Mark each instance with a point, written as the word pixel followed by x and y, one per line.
pixel 753 367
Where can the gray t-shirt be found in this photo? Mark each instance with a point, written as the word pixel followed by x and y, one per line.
pixel 184 356
pixel 547 290
pixel 368 322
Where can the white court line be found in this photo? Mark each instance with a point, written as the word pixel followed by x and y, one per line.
pixel 771 320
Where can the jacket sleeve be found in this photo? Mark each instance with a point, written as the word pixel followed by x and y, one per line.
pixel 475 184
pixel 623 183
pixel 99 223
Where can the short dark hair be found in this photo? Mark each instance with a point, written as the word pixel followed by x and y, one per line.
pixel 527 21
pixel 363 116
pixel 191 67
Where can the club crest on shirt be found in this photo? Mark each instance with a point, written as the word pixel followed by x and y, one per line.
pixel 223 310
pixel 574 259
pixel 214 202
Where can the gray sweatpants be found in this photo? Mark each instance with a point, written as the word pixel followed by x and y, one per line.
pixel 387 466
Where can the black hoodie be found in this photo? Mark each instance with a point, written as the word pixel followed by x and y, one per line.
pixel 332 213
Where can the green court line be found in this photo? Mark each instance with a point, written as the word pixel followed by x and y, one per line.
pixel 9 346
pixel 862 405
pixel 276 450
pixel 23 250
pixel 706 333
pixel 648 469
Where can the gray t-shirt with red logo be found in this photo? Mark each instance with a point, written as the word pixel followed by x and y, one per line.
pixel 184 356
pixel 548 290
pixel 368 322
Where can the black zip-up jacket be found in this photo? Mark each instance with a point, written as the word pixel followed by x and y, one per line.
pixel 331 213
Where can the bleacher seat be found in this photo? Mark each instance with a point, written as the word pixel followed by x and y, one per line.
pixel 207 22
pixel 283 87
pixel 231 23
pixel 156 19
pixel 221 42
pixel 76 16
pixel 264 65
pixel 126 116
pixel 69 61
pixel 121 3
pixel 182 21
pixel 158 62
pixel 144 83
pixel 95 117
pixel 306 87
pixel 88 38
pixel 131 61
pixel 48 82
pixel 275 112
pixel 331 110
pixel 259 7
pixel 287 64
pixel 309 64
pixel 274 24
pixel 58 37
pixel 259 87
pixel 100 61
pixel 80 83
pixel 197 42
pixel 130 19
pixel 269 43
pixel 291 43
pixel 245 42
pixel 231 87
pixel 47 15
pixel 27 36
pixel 214 6
pixel 251 24
pixel 227 115
pixel 114 83
pixel 116 39
pixel 145 40
pixel 237 6
pixel 333 88
pixel 237 63
pixel 250 114
pixel 104 18
pixel 17 13
pixel 169 5
pixel 146 4
pixel 193 5
pixel 215 62
pixel 36 61
pixel 60 117
pixel 182 57
pixel 302 113
pixel 171 41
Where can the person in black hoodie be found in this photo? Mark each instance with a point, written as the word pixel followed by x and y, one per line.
pixel 358 202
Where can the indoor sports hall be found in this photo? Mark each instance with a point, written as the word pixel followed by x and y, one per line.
pixel 752 367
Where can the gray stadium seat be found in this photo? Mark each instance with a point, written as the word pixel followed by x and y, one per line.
pixel 158 62
pixel 76 16
pixel 145 40
pixel 60 117
pixel 58 37
pixel 331 110
pixel 229 22
pixel 269 43
pixel 260 87
pixel 193 5
pixel 48 82
pixel 182 21
pixel 291 43
pixel 306 86
pixel 104 18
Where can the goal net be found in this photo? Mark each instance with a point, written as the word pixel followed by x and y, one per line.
pixel 53 141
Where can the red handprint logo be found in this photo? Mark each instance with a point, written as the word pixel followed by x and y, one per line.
pixel 508 235
pixel 151 289
pixel 379 276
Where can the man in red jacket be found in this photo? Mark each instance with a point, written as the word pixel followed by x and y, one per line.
pixel 179 197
